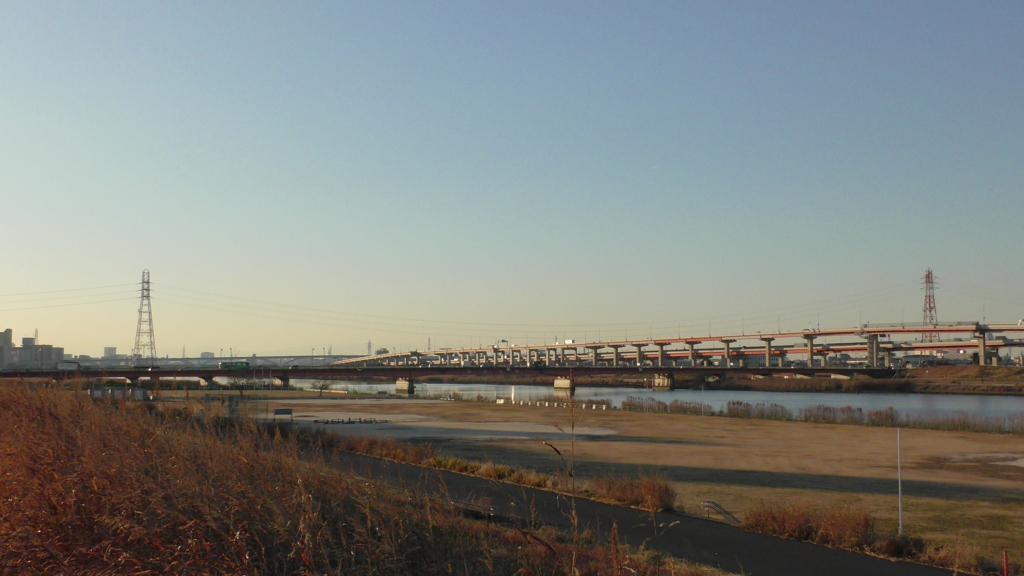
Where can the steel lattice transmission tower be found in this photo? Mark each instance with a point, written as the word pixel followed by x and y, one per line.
pixel 145 346
pixel 931 317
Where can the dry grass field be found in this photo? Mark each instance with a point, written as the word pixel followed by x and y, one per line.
pixel 956 485
pixel 130 488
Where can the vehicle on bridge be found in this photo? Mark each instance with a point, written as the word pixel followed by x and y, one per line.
pixel 235 365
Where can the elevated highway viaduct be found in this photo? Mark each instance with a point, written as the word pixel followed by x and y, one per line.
pixel 879 343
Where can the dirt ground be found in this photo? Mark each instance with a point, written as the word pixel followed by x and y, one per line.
pixel 965 486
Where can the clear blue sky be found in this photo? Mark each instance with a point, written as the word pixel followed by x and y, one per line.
pixel 322 174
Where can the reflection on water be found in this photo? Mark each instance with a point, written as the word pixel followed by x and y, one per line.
pixel 993 406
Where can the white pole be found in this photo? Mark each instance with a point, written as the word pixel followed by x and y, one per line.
pixel 899 479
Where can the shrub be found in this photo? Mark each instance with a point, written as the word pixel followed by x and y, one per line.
pixel 838 526
pixel 648 492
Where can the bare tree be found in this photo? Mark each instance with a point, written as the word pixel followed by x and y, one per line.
pixel 322 384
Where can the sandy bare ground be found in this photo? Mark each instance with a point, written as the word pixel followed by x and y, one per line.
pixel 956 485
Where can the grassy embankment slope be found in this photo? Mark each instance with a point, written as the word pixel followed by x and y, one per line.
pixel 91 488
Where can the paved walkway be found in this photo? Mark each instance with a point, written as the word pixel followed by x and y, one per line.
pixel 704 541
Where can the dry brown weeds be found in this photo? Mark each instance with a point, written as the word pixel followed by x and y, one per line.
pixel 649 492
pixel 94 488
pixel 853 528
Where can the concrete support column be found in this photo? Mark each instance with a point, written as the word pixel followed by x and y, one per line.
pixel 661 355
pixel 872 350
pixel 982 352
pixel 639 354
pixel 564 384
pixel 810 350
pixel 887 357
pixel 767 351
pixel 725 355
pixel 693 355
pixel 594 355
pixel 615 356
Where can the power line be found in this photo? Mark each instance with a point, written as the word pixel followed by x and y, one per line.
pixel 32 300
pixel 68 290
pixel 65 305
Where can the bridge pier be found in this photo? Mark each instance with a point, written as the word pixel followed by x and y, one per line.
pixel 767 351
pixel 404 386
pixel 887 358
pixel 564 384
pixel 593 355
pixel 872 351
pixel 982 350
pixel 810 350
pixel 664 382
pixel 693 353
pixel 661 355
pixel 726 361
pixel 639 354
pixel 615 356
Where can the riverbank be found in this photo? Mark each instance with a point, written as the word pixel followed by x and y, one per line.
pixel 993 380
pixel 959 488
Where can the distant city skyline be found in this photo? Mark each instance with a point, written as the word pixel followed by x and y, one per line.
pixel 308 177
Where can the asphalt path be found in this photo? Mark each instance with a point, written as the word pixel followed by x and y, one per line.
pixel 693 538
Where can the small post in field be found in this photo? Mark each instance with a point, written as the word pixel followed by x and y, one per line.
pixel 899 480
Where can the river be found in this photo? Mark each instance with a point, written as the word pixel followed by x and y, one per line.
pixel 988 406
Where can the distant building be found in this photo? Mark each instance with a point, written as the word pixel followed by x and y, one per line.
pixel 110 352
pixel 207 355
pixel 30 355
pixel 6 348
